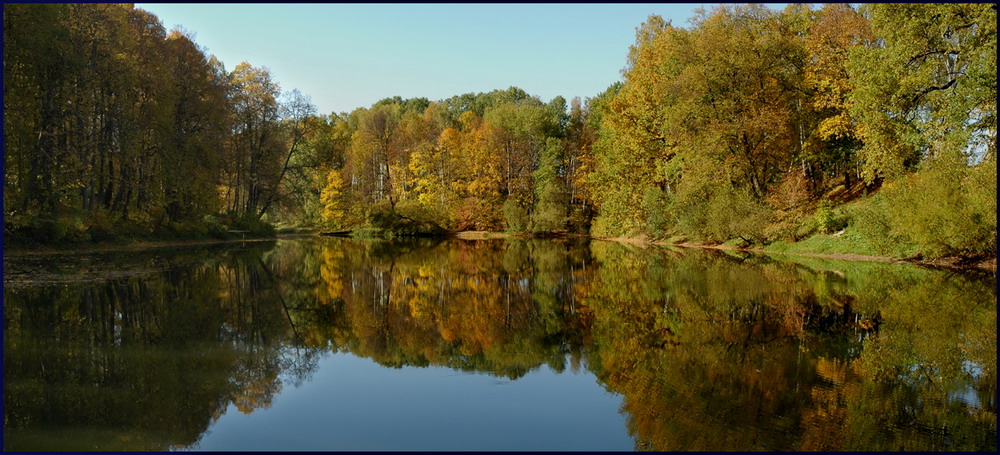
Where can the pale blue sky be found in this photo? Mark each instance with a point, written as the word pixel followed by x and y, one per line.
pixel 346 56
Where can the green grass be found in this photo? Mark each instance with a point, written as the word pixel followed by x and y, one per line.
pixel 849 242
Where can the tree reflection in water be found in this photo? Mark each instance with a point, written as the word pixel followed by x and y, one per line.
pixel 710 351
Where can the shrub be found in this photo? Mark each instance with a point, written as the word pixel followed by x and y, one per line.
pixel 945 208
pixel 406 220
pixel 213 227
pixel 827 221
pixel 258 228
pixel 515 216
pixel 655 205
pixel 720 213
pixel 733 212
pixel 50 230
pixel 471 212
pixel 872 222
pixel 618 215
pixel 101 226
pixel 580 218
pixel 791 192
pixel 691 210
pixel 804 229
pixel 548 217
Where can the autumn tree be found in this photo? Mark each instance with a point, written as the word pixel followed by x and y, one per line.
pixel 333 200
pixel 122 112
pixel 580 137
pixel 927 86
pixel 255 144
pixel 370 152
pixel 481 183
pixel 832 142
pixel 634 142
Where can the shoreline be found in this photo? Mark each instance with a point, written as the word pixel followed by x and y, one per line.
pixel 987 265
pixel 132 246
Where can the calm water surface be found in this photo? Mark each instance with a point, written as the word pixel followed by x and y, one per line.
pixel 341 344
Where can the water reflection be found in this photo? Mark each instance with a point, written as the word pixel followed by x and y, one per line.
pixel 715 353
pixel 709 351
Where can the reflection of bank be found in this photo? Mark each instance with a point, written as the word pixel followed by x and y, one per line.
pixel 710 352
pixel 715 355
pixel 491 306
pixel 144 363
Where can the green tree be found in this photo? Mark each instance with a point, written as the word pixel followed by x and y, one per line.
pixel 926 87
pixel 551 201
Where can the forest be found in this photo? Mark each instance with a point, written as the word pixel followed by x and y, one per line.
pixel 874 127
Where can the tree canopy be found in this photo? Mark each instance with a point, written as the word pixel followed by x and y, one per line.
pixel 747 124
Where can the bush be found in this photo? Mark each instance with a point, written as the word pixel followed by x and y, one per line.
pixel 260 228
pixel 733 212
pixel 872 222
pixel 946 208
pixel 256 227
pixel 473 213
pixel 791 192
pixel 213 227
pixel 617 215
pixel 515 216
pixel 980 191
pixel 658 218
pixel 49 230
pixel 407 220
pixel 579 219
pixel 691 210
pixel 804 229
pixel 101 226
pixel 548 218
pixel 825 220
pixel 719 213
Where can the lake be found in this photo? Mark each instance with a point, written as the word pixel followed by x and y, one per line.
pixel 508 344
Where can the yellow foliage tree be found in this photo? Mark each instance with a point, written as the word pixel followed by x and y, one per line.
pixel 332 200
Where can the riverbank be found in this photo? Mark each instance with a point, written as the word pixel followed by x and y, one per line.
pixel 487 235
pixel 985 264
pixel 131 246
pixel 989 264
pixel 137 245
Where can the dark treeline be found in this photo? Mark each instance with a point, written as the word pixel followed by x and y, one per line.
pixel 114 125
pixel 750 124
